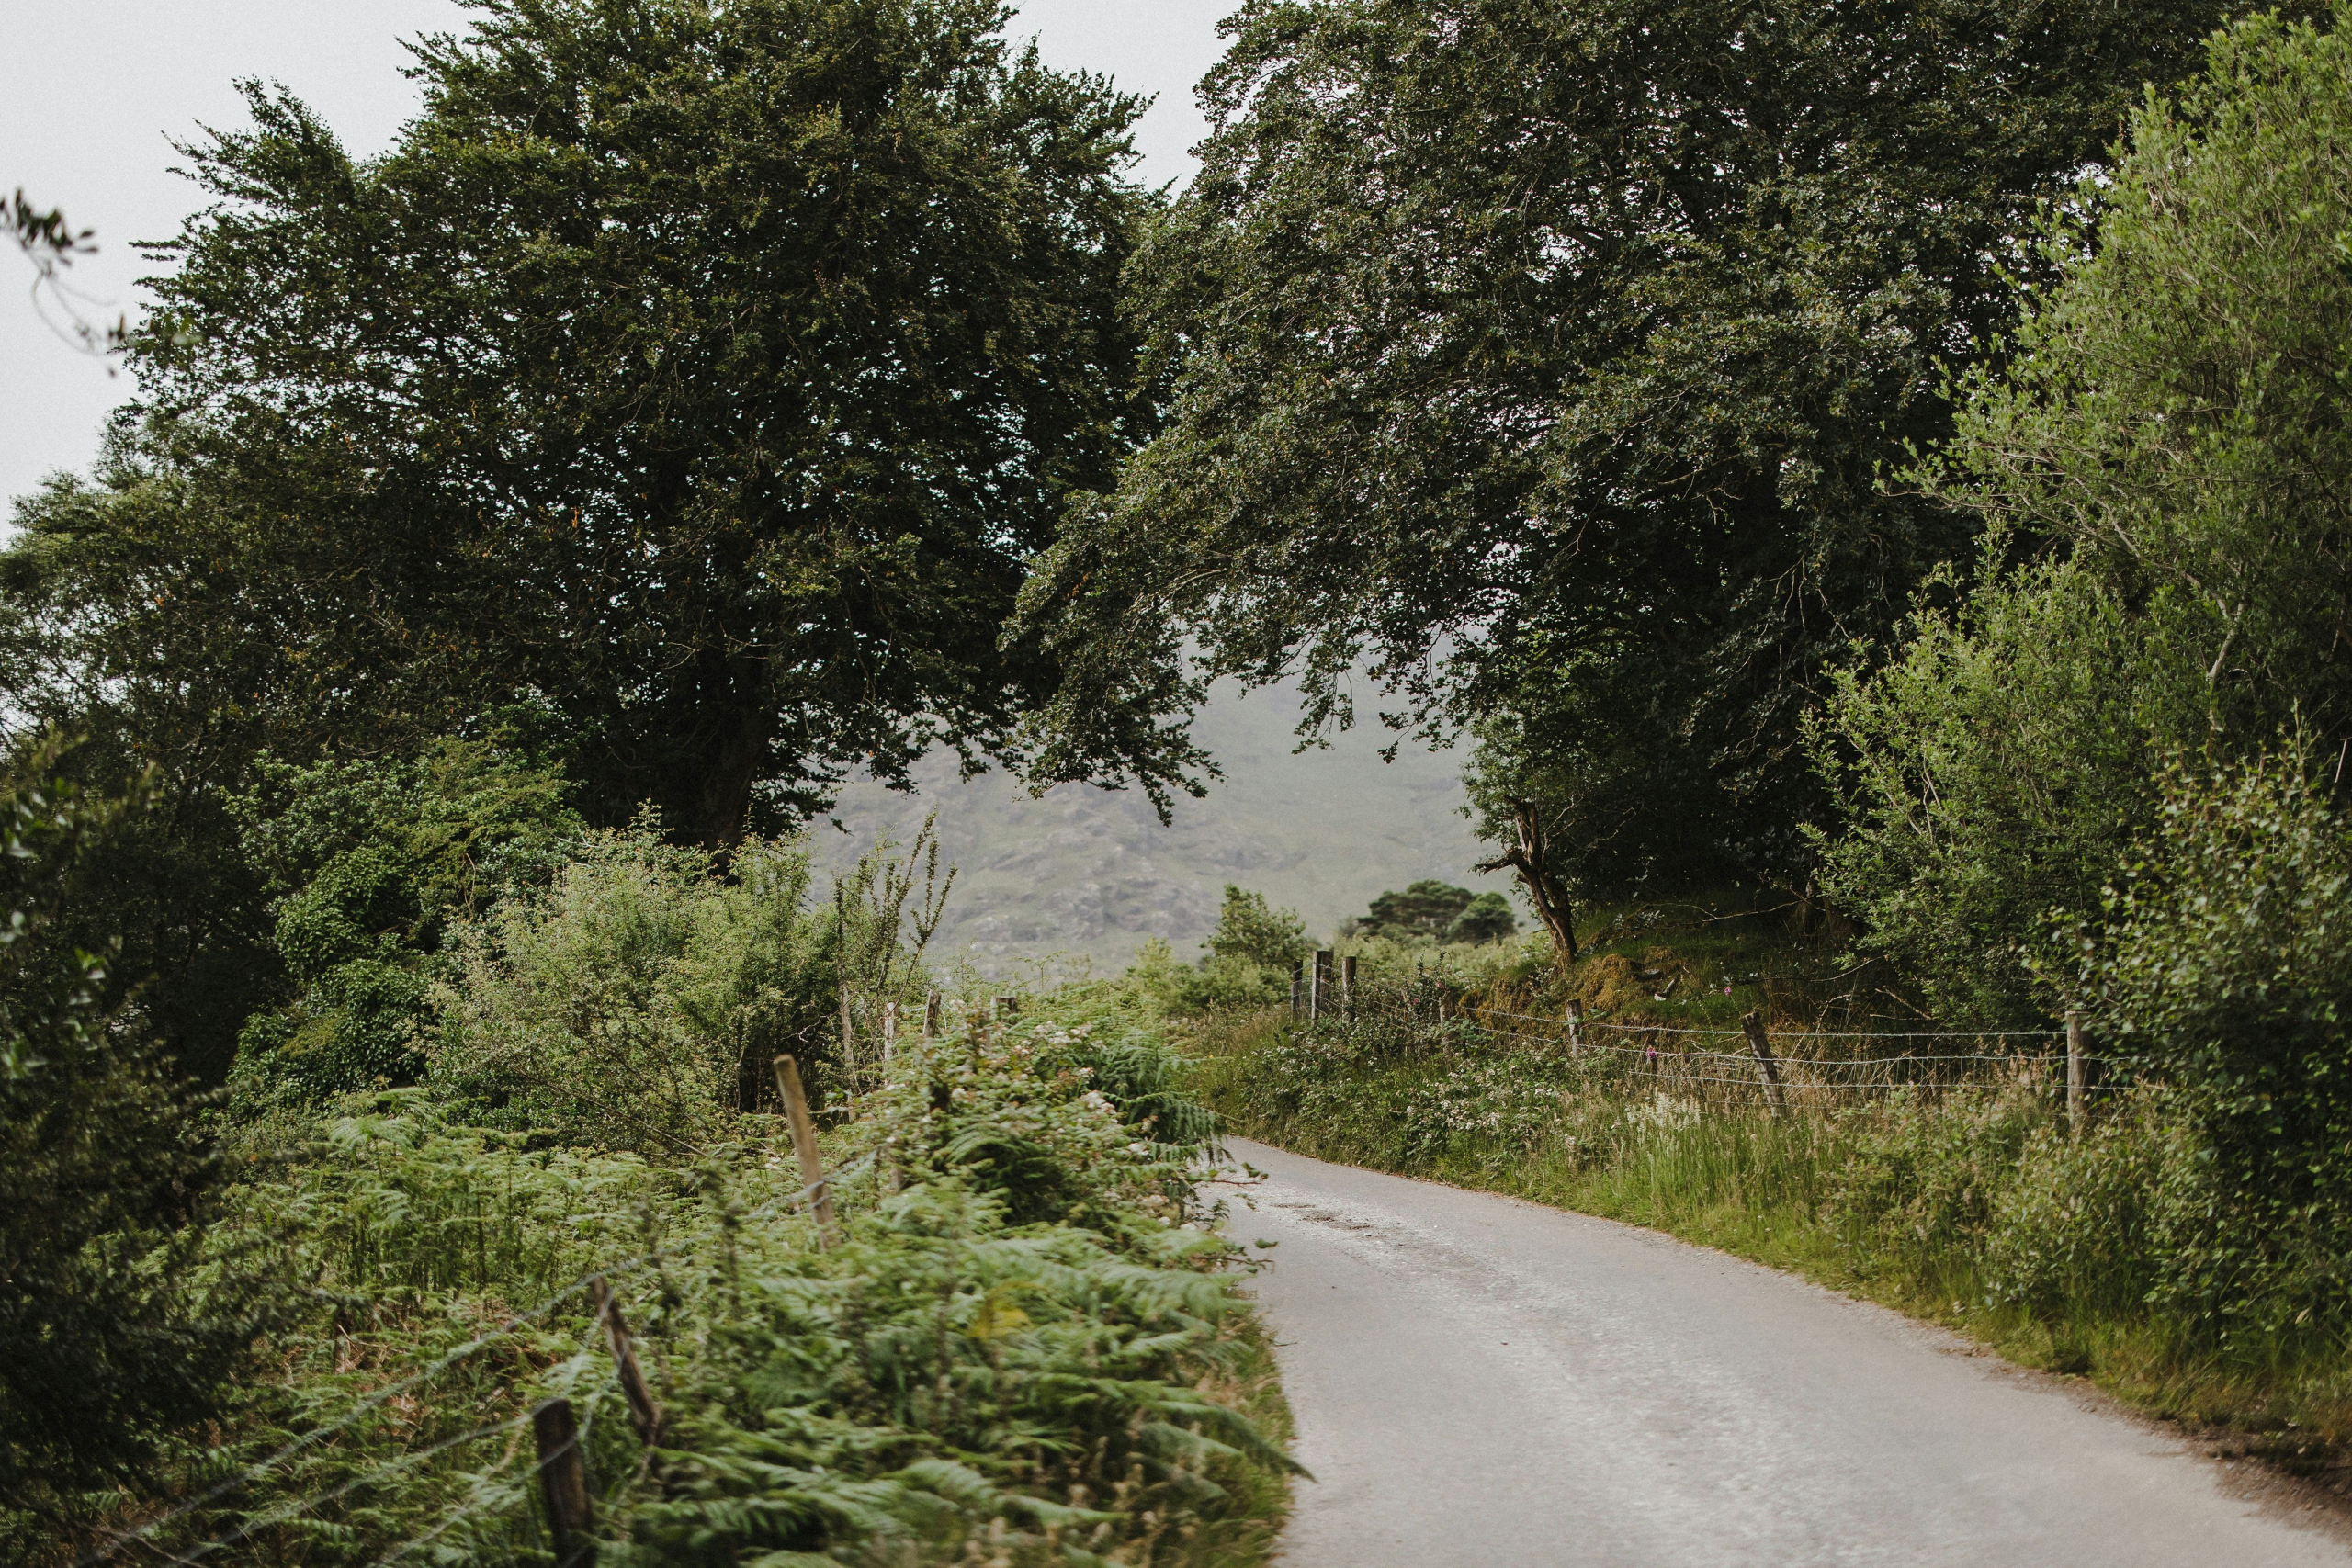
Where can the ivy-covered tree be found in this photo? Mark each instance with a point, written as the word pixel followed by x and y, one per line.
pixel 1534 357
pixel 702 371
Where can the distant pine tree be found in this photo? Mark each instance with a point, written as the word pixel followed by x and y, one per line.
pixel 1427 910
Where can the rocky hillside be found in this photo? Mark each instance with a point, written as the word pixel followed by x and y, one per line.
pixel 1089 873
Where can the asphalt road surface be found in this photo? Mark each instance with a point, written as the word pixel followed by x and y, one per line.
pixel 1479 1380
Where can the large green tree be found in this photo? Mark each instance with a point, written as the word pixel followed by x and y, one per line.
pixel 702 371
pixel 1544 360
pixel 2171 442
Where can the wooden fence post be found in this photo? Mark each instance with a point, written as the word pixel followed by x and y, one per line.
pixel 643 1413
pixel 889 1029
pixel 931 1017
pixel 1007 1007
pixel 1753 1027
pixel 1348 986
pixel 804 1145
pixel 2073 1070
pixel 1319 987
pixel 1576 1027
pixel 563 1480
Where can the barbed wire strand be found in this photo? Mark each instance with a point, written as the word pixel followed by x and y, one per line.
pixel 291 1510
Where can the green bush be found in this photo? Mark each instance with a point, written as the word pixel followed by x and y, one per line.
pixel 2079 1227
pixel 1248 965
pixel 1251 931
pixel 1426 910
pixel 1922 1181
pixel 635 1003
pixel 369 862
pixel 2225 973
pixel 1487 917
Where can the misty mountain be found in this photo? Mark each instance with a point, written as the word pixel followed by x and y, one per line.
pixel 1092 872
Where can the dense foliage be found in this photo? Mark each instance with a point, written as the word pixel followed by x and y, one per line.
pixel 2167 446
pixel 704 370
pixel 677 399
pixel 1543 361
pixel 638 1004
pixel 1248 930
pixel 117 1328
pixel 370 864
pixel 1430 910
pixel 1250 960
pixel 1026 1340
pixel 2226 975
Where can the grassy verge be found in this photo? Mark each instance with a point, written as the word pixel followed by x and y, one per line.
pixel 1973 1209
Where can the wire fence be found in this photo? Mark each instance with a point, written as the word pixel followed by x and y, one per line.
pixel 1747 1064
pixel 1794 1068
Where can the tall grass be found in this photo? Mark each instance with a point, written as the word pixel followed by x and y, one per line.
pixel 1970 1205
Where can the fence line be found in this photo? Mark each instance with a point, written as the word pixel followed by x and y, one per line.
pixel 1671 1067
pixel 287 1511
pixel 1652 1050
pixel 1801 1034
pixel 1589 1046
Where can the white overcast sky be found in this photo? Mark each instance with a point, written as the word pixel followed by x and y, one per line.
pixel 97 89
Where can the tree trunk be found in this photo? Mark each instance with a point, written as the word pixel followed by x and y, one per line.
pixel 722 795
pixel 1531 858
pixel 703 763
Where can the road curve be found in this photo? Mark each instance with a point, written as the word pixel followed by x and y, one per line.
pixel 1480 1380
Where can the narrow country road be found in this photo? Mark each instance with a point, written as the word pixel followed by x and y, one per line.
pixel 1479 1380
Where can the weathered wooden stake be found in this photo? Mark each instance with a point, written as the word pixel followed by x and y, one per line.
pixel 1348 986
pixel 931 1017
pixel 1007 1007
pixel 1575 1026
pixel 2073 1070
pixel 804 1145
pixel 643 1413
pixel 890 1029
pixel 563 1480
pixel 1753 1027
pixel 1319 988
